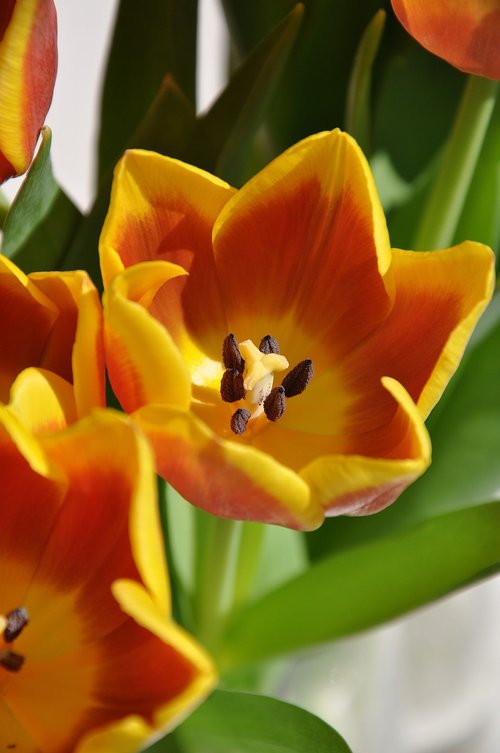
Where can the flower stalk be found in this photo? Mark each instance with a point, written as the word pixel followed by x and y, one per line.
pixel 448 194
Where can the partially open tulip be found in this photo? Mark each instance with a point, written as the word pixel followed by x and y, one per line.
pixel 28 64
pixel 53 321
pixel 465 33
pixel 278 354
pixel 90 659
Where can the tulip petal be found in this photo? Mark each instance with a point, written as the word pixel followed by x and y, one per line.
pixel 362 485
pixel 28 62
pixel 315 207
pixel 465 34
pixel 143 363
pixel 26 320
pixel 440 296
pixel 225 477
pixel 42 401
pixel 164 209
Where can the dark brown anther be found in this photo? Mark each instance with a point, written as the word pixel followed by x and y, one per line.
pixel 239 420
pixel 275 404
pixel 298 378
pixel 231 386
pixel 17 619
pixel 231 356
pixel 10 660
pixel 269 344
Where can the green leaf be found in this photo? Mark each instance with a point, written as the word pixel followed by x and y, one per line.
pixel 358 110
pixel 151 39
pixel 42 220
pixel 223 136
pixel 363 586
pixel 244 723
pixel 165 128
pixel 312 93
pixel 480 220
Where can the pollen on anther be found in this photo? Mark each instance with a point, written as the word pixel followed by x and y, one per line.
pixel 275 404
pixel 17 619
pixel 239 420
pixel 269 344
pixel 231 356
pixel 231 386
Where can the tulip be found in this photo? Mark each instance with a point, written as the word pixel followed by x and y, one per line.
pixel 28 64
pixel 278 354
pixel 53 321
pixel 465 34
pixel 90 659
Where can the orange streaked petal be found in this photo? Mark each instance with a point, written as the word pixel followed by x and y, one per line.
pixel 28 63
pixel 163 209
pixel 143 363
pixel 440 296
pixel 26 320
pixel 42 401
pixel 224 477
pixel 304 246
pixel 465 34
pixel 362 485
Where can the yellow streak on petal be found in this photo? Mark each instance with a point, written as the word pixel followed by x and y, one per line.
pixel 137 602
pixel 471 266
pixel 340 482
pixel 148 366
pixel 13 49
pixel 42 401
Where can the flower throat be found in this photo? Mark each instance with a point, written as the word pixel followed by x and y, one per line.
pixel 249 376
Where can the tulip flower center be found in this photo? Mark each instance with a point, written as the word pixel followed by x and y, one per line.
pixel 249 377
pixel 12 625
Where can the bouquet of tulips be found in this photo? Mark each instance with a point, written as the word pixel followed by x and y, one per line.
pixel 219 387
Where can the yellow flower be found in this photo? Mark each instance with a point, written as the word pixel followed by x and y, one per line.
pixel 200 277
pixel 89 657
pixel 28 64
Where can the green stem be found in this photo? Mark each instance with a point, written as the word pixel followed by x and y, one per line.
pixel 447 197
pixel 249 552
pixel 4 208
pixel 214 566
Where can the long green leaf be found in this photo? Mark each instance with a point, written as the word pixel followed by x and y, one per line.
pixel 366 585
pixel 223 136
pixel 165 128
pixel 42 220
pixel 151 39
pixel 244 723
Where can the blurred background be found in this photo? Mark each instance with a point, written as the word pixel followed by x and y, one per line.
pixel 428 683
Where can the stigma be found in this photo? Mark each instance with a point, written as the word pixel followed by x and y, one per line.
pixel 249 377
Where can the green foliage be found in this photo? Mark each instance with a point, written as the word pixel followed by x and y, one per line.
pixel 229 722
pixel 42 219
pixel 151 41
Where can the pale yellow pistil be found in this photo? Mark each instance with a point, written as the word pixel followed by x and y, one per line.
pixel 258 374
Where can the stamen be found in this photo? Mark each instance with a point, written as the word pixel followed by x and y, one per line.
pixel 298 378
pixel 231 386
pixel 231 356
pixel 275 404
pixel 10 660
pixel 269 344
pixel 239 420
pixel 17 619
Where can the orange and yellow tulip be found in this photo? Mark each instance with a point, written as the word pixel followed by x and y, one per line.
pixel 90 659
pixel 28 64
pixel 465 34
pixel 205 284
pixel 52 321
